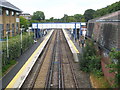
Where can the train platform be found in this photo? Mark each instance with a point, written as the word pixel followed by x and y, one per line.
pixel 76 49
pixel 41 69
pixel 76 43
pixel 20 62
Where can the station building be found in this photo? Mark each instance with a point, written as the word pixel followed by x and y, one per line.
pixel 9 19
pixel 26 16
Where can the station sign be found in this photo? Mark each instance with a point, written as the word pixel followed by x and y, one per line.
pixel 17 20
pixel 34 25
pixel 57 25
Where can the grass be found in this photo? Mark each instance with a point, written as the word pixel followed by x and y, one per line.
pixel 99 82
pixel 7 67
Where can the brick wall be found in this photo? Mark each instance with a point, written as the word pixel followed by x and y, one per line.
pixel 1 22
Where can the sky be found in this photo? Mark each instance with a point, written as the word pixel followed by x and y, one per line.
pixel 57 8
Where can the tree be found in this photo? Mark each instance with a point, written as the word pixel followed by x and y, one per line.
pixel 89 14
pixel 33 21
pixel 71 19
pixel 115 67
pixel 38 15
pixel 109 9
pixel 52 19
pixel 65 18
pixel 83 20
pixel 78 17
pixel 24 22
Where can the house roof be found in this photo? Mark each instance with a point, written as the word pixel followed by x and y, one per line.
pixel 6 4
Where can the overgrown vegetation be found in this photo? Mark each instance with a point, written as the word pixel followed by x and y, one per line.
pixel 14 48
pixel 89 60
pixel 100 82
pixel 109 9
pixel 24 23
pixel 115 67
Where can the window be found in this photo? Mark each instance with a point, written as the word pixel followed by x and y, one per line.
pixel 13 29
pixel 0 11
pixel 1 30
pixel 13 13
pixel 7 13
pixel 17 14
pixel 8 27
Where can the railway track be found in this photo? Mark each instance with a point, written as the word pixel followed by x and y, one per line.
pixel 53 68
pixel 55 76
pixel 70 79
pixel 31 78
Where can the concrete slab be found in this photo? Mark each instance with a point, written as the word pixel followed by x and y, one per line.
pixel 73 48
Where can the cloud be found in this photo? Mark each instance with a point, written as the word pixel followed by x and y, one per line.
pixel 57 8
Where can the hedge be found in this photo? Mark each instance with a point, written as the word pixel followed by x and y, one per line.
pixel 89 60
pixel 15 47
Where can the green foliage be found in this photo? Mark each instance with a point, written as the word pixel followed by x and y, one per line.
pixel 66 18
pixel 71 19
pixel 33 21
pixel 6 67
pixel 51 19
pixel 89 61
pixel 38 15
pixel 24 22
pixel 109 9
pixel 115 67
pixel 78 17
pixel 89 14
pixel 15 47
pixel 115 54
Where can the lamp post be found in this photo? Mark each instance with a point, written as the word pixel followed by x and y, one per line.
pixel 29 30
pixel 75 33
pixel 7 44
pixel 21 38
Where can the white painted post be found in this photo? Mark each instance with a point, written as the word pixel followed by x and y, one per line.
pixel 7 45
pixel 21 40
pixel 34 33
pixel 29 32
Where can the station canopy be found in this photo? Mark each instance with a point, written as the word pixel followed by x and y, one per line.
pixel 57 25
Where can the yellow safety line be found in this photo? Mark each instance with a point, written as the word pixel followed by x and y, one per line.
pixel 22 69
pixel 74 47
pixel 71 43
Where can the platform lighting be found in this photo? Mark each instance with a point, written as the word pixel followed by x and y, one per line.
pixel 8 43
pixel 29 30
pixel 21 37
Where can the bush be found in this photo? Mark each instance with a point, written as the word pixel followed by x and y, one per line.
pixel 15 47
pixel 115 67
pixel 4 68
pixel 89 60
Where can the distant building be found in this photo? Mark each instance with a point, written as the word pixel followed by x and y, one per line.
pixel 9 19
pixel 26 16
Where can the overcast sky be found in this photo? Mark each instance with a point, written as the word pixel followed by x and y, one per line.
pixel 57 8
